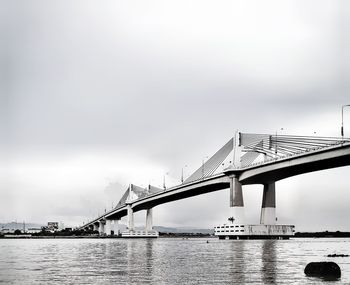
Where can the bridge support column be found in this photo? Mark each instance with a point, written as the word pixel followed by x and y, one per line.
pixel 95 227
pixel 268 208
pixel 236 201
pixel 149 220
pixel 130 218
pixel 101 228
pixel 108 228
pixel 116 227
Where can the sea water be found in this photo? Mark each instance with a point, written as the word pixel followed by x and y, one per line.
pixel 167 261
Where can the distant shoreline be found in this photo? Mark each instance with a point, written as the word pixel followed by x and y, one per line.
pixel 325 234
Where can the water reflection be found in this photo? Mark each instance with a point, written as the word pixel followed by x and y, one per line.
pixel 140 260
pixel 238 266
pixel 149 257
pixel 269 261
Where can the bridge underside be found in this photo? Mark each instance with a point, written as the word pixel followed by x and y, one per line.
pixel 184 193
pixel 296 166
pixel 117 215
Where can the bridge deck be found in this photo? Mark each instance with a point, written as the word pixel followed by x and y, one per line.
pixel 313 159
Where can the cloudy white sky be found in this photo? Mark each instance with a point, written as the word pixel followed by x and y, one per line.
pixel 98 94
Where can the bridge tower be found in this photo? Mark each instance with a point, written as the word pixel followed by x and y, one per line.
pixel 250 149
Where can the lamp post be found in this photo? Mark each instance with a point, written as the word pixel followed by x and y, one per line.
pixel 276 143
pixel 164 187
pixel 342 120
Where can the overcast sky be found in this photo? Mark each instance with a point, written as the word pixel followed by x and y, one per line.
pixel 98 94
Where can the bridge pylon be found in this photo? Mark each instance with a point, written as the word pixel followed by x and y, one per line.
pixel 237 151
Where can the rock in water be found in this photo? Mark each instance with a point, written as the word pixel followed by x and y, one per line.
pixel 323 269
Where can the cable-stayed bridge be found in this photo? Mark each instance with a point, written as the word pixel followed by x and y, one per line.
pixel 245 159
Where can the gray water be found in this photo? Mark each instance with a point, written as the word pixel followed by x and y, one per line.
pixel 167 261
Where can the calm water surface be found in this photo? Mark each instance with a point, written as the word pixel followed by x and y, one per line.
pixel 166 261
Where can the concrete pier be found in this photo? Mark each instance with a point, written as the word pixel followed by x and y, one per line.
pixel 116 227
pixel 237 214
pixel 130 218
pixel 108 228
pixel 101 228
pixel 268 207
pixel 149 220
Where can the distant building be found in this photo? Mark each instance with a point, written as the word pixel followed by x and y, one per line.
pixel 33 230
pixel 52 226
pixel 7 231
pixel 60 226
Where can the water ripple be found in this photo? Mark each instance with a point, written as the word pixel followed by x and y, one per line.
pixel 166 261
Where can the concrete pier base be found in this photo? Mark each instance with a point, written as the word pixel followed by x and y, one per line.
pixel 254 231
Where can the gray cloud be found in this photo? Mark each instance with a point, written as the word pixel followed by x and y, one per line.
pixel 158 85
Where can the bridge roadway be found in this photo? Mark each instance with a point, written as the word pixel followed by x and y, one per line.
pixel 260 173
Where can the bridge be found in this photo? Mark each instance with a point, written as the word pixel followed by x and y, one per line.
pixel 245 159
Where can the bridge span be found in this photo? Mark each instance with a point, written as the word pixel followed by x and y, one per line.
pixel 244 159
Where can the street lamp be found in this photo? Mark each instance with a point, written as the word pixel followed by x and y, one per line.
pixel 164 187
pixel 276 142
pixel 342 120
